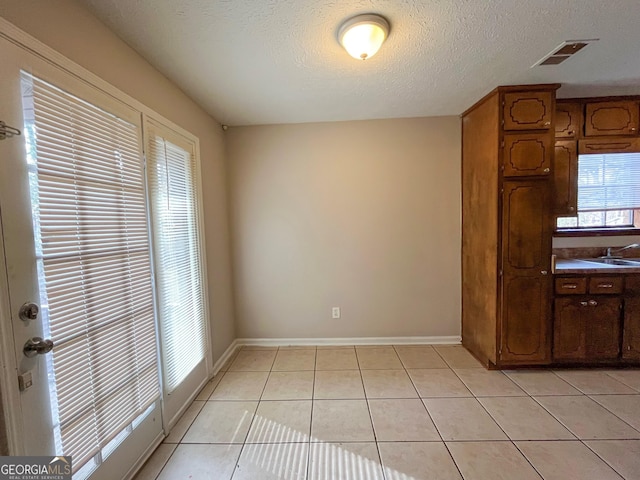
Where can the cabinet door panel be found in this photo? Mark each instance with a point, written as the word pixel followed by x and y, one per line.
pixel 602 322
pixel 527 154
pixel 524 317
pixel 565 178
pixel 569 335
pixel 568 119
pixel 526 232
pixel 611 118
pixel 526 283
pixel 528 110
pixel 631 333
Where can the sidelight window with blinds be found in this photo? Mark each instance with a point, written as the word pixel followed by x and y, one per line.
pixel 91 205
pixel 172 180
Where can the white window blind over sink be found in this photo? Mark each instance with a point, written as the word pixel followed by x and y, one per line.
pixel 609 182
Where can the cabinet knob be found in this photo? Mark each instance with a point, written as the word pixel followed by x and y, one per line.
pixel 571 132
pixel 546 170
pixel 546 124
pixel 584 304
pixel 572 209
pixel 543 272
pixel 632 129
pixel 593 303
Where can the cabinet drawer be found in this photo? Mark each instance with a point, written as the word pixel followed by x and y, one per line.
pixel 611 118
pixel 606 284
pixel 528 110
pixel 571 286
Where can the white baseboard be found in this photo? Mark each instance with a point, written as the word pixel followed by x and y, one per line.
pixel 286 342
pixel 228 353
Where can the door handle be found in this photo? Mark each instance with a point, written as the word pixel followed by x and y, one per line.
pixel 37 346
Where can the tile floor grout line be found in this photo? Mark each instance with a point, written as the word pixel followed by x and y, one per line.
pixel 608 373
pixel 373 429
pixel 313 394
pixel 503 430
pixel 615 380
pixel 164 465
pixel 554 416
pixel 429 413
pixel 244 443
pixel 600 405
pixel 602 459
pixel 615 415
pixel 527 458
pixel 216 386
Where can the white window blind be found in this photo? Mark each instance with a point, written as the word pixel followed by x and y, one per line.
pixel 172 182
pixel 609 182
pixel 88 197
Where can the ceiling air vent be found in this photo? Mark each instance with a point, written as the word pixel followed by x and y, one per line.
pixel 564 51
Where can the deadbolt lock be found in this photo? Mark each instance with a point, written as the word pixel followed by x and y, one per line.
pixel 29 311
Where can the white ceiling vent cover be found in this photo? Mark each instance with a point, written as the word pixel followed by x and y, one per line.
pixel 564 51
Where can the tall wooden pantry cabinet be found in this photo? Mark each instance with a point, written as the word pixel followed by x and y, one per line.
pixel 507 207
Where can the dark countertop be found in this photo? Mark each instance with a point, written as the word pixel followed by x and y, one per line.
pixel 568 266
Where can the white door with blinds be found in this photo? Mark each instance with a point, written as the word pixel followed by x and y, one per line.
pixel 76 205
pixel 174 202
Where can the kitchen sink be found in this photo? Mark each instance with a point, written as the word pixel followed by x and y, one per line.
pixel 621 262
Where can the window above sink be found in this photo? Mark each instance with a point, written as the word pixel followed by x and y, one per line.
pixel 608 195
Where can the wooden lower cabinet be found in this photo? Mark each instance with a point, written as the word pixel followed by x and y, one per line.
pixel 631 332
pixel 603 328
pixel 587 328
pixel 569 334
pixel 524 320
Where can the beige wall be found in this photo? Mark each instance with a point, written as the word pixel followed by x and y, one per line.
pixel 69 28
pixel 362 215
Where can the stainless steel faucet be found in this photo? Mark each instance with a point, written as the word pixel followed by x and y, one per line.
pixel 611 252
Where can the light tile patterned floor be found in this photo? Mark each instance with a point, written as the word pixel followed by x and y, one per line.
pixel 402 413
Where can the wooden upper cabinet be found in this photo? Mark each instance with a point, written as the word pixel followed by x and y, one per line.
pixel 527 154
pixel 611 118
pixel 528 111
pixel 565 178
pixel 568 120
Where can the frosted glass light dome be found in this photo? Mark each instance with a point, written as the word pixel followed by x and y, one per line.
pixel 363 35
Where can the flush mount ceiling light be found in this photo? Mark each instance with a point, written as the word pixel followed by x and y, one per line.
pixel 363 35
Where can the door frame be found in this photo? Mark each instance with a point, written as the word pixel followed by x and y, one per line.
pixel 9 391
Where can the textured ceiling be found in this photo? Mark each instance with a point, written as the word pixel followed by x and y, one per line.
pixel 278 61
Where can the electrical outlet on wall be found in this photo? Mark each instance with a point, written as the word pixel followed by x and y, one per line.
pixel 335 312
